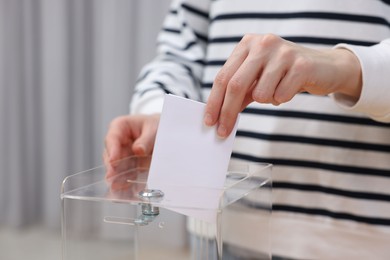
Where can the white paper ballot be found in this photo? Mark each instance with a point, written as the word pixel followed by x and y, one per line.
pixel 189 154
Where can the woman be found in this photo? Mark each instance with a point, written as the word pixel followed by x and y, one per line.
pixel 313 81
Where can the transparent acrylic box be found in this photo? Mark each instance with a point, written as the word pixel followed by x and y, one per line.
pixel 108 218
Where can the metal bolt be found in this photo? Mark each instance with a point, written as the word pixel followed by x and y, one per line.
pixel 150 195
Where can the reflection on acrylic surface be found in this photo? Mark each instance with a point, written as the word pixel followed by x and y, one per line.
pixel 127 177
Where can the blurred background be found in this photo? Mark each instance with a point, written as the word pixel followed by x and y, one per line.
pixel 67 68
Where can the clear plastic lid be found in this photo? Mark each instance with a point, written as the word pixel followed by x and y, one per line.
pixel 126 179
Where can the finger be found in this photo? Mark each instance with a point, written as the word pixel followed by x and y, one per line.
pixel 113 147
pixel 118 136
pixel 109 172
pixel 237 89
pixel 105 156
pixel 111 162
pixel 247 100
pixel 109 169
pixel 268 82
pixel 217 94
pixel 297 72
pixel 288 87
pixel 145 142
pixel 248 97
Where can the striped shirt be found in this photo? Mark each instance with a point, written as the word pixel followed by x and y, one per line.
pixel 331 175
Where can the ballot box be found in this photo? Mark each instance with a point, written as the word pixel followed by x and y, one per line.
pixel 116 216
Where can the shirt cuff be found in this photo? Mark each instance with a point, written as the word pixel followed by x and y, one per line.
pixel 375 96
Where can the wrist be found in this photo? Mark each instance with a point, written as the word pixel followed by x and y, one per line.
pixel 350 72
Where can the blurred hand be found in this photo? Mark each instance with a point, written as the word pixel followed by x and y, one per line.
pixel 269 69
pixel 129 135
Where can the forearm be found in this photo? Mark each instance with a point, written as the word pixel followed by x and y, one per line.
pixel 178 67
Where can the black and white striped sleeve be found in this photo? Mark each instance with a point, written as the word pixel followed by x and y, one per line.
pixel 178 66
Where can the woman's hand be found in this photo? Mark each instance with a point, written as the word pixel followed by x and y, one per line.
pixel 129 135
pixel 269 69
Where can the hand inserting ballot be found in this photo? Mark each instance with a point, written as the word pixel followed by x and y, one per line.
pixel 269 69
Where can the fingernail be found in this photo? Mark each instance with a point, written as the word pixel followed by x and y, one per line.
pixel 222 132
pixel 208 120
pixel 140 149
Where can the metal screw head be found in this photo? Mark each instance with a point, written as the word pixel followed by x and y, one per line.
pixel 151 194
